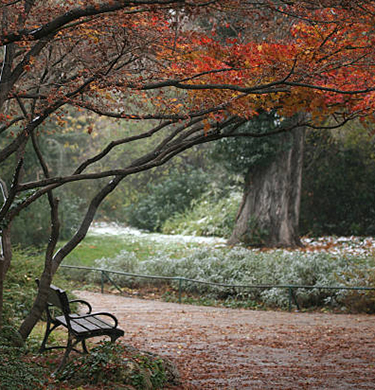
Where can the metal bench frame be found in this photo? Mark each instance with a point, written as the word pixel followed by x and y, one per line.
pixel 80 327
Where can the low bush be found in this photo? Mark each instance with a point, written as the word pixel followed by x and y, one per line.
pixel 32 226
pixel 20 286
pixel 240 266
pixel 164 199
pixel 208 216
pixel 359 300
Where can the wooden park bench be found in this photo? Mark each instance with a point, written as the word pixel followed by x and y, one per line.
pixel 80 326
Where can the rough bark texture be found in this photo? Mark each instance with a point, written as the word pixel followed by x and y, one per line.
pixel 5 251
pixel 269 212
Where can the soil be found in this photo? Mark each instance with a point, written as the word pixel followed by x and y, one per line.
pixel 217 348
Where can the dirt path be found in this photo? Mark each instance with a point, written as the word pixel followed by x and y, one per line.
pixel 218 348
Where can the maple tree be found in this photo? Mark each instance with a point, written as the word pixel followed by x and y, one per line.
pixel 153 61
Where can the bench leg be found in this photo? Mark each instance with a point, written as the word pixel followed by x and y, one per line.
pixel 43 345
pixel 49 330
pixel 69 347
pixel 84 347
pixel 114 338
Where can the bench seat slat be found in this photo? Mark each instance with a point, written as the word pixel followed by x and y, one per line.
pixel 83 325
pixel 75 326
pixel 99 322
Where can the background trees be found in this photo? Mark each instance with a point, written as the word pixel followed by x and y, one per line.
pixel 149 62
pixel 338 184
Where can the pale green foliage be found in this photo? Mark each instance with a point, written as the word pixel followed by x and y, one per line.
pixel 125 261
pixel 208 216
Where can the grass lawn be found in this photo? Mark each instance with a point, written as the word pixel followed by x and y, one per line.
pixel 144 246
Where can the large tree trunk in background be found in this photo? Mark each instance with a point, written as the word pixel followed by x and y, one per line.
pixel 269 212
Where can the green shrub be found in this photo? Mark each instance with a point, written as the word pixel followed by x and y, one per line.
pixel 359 300
pixel 32 226
pixel 125 261
pixel 207 216
pixel 171 196
pixel 345 173
pixel 20 287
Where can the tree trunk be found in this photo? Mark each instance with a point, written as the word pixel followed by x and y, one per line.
pixel 5 251
pixel 269 212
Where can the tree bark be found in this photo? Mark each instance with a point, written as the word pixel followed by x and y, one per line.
pixel 5 251
pixel 269 212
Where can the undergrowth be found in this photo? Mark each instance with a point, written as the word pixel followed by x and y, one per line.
pixel 120 366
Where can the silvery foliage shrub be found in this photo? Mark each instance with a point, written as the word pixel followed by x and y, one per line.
pixel 240 266
pixel 124 262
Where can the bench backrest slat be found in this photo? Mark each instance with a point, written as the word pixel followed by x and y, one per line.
pixel 58 298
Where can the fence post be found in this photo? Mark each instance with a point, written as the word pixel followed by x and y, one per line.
pixel 102 281
pixel 179 289
pixel 290 298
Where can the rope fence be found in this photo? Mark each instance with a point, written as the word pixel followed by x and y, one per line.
pixel 105 276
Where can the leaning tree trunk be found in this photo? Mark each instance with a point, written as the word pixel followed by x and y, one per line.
pixel 269 212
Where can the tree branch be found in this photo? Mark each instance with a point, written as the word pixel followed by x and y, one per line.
pixel 54 25
pixel 86 222
pixel 123 141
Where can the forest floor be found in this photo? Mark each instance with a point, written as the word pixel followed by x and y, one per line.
pixel 235 349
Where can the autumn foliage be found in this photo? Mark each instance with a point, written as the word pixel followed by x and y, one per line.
pixel 322 65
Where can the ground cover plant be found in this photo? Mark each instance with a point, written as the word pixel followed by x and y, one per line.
pixel 121 366
pixel 108 365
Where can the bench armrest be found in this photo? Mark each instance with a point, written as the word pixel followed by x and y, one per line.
pixel 83 302
pixel 104 314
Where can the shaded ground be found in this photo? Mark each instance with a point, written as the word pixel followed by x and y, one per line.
pixel 216 348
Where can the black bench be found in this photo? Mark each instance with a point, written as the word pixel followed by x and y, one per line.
pixel 80 327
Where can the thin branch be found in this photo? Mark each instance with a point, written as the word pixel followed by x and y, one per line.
pixel 22 107
pixel 122 141
pixel 12 192
pixel 53 203
pixel 328 89
pixel 75 14
pixel 86 222
pixel 6 126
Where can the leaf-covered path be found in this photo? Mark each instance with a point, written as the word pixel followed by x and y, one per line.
pixel 216 348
